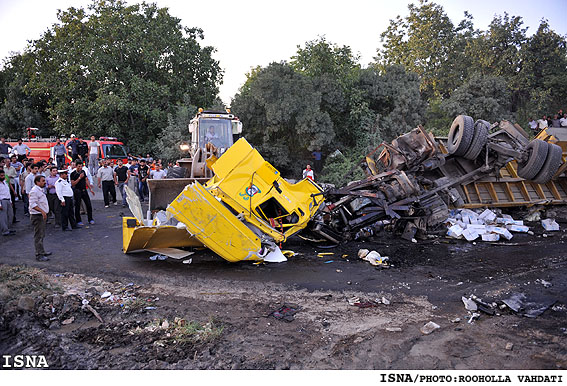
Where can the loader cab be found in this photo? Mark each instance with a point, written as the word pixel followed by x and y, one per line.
pixel 217 128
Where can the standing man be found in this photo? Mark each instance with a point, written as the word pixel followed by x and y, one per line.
pixel 157 174
pixel 317 158
pixel 80 184
pixel 59 152
pixel 106 176
pixel 83 150
pixel 29 182
pixel 74 147
pixel 19 169
pixel 22 150
pixel 6 214
pixel 133 175
pixel 308 173
pixel 4 148
pixel 93 155
pixel 38 214
pixel 64 193
pixel 11 175
pixel 52 199
pixel 121 177
pixel 143 174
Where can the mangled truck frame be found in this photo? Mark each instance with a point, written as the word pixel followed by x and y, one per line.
pixel 247 208
pixel 416 179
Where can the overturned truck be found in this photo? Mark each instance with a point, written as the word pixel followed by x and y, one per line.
pixel 416 179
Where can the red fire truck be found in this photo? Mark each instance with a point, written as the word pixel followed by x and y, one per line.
pixel 42 147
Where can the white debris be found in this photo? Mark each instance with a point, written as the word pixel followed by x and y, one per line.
pixel 470 234
pixel 470 304
pixel 503 232
pixel 429 328
pixel 375 259
pixel 362 253
pixel 455 231
pixel 549 224
pixel 490 237
pixel 487 216
pixel 105 294
pixel 518 228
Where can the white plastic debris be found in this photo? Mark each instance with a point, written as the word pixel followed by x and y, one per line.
pixel 429 327
pixel 375 259
pixel 105 294
pixel 470 304
pixel 549 224
pixel 362 253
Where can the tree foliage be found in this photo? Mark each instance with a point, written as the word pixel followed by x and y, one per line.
pixel 117 69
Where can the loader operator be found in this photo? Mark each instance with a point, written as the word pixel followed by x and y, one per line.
pixel 211 134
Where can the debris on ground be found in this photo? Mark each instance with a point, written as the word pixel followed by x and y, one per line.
pixel 373 258
pixel 285 312
pixel 550 225
pixel 429 327
pixel 470 225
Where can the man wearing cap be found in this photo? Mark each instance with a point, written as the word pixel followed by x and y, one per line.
pixel 74 146
pixel 39 208
pixel 64 193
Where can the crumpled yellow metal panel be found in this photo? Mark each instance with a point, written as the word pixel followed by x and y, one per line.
pixel 137 238
pixel 214 225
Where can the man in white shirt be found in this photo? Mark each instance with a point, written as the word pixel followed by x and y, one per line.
pixel 28 183
pixel 106 177
pixel 542 123
pixel 563 122
pixel 93 155
pixel 39 207
pixel 6 214
pixel 533 125
pixel 65 194
pixel 157 174
pixel 22 150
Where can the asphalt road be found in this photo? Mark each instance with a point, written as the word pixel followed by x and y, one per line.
pixel 440 269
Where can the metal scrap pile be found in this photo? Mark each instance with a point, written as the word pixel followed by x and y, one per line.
pixel 415 180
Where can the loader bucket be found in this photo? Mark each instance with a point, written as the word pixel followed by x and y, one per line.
pixel 162 192
pixel 215 225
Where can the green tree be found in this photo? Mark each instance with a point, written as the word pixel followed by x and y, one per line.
pixel 281 113
pixel 176 132
pixel 119 70
pixel 543 74
pixel 428 43
pixel 482 97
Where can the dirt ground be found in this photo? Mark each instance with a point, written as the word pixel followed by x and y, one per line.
pixel 214 315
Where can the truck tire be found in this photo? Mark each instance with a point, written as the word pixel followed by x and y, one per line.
pixel 479 140
pixel 460 135
pixel 176 172
pixel 552 163
pixel 537 154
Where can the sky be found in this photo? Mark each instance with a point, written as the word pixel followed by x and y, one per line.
pixel 248 33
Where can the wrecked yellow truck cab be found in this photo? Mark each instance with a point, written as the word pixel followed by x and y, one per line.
pixel 247 207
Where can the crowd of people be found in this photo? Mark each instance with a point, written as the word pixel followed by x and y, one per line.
pixel 53 191
pixel 555 120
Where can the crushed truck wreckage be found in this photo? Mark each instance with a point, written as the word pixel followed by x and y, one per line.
pixel 416 179
pixel 246 209
pixel 241 213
